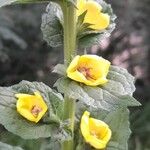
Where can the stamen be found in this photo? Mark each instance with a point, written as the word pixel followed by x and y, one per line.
pixel 86 72
pixel 94 134
pixel 36 110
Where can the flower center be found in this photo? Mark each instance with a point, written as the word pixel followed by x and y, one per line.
pixel 36 110
pixel 93 133
pixel 98 135
pixel 86 72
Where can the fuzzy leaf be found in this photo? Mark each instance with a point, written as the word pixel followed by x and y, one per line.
pixel 4 146
pixel 116 93
pixel 122 76
pixel 51 26
pixel 16 124
pixel 60 69
pixel 74 90
pixel 119 124
pixel 50 145
pixel 6 2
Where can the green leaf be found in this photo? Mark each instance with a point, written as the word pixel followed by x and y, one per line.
pixel 6 2
pixel 119 124
pixel 51 26
pixel 75 91
pixel 116 93
pixel 12 139
pixel 4 146
pixel 18 125
pixel 122 76
pixel 51 144
pixel 60 69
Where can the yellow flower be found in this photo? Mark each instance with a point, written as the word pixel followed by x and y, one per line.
pixel 32 107
pixel 89 69
pixel 94 15
pixel 95 132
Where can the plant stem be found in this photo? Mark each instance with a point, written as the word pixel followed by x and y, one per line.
pixel 69 14
pixel 69 113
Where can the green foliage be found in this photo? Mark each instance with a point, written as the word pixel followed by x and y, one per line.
pixel 4 146
pixel 12 139
pixel 119 124
pixel 16 124
pixel 6 2
pixel 60 69
pixel 115 94
pixel 140 126
pixel 51 145
pixel 36 144
pixel 52 27
pixel 124 82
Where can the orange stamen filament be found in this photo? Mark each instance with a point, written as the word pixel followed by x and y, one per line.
pixel 86 72
pixel 94 134
pixel 36 110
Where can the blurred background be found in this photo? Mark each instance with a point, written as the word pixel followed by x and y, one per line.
pixel 25 56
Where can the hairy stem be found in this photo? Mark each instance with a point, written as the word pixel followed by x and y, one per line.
pixel 69 14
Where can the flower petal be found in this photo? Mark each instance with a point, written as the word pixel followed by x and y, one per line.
pixel 77 76
pixel 94 16
pixel 80 6
pixel 89 69
pixel 84 126
pixel 94 131
pixel 32 107
pixel 100 22
pixel 96 143
pixel 73 65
